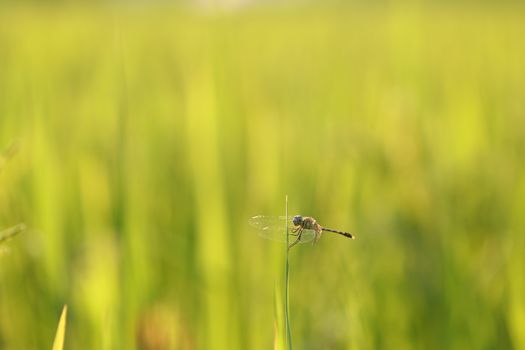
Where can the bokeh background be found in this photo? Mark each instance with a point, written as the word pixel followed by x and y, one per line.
pixel 146 134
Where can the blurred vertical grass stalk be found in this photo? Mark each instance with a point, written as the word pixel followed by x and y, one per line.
pixel 212 240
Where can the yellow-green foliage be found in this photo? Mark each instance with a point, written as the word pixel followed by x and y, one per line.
pixel 147 137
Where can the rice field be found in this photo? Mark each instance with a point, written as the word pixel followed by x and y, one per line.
pixel 139 140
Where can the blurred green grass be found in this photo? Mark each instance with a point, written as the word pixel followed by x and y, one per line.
pixel 147 138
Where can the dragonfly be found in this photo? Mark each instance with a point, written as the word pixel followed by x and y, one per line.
pixel 302 229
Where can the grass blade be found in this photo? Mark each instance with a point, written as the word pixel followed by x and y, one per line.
pixel 58 344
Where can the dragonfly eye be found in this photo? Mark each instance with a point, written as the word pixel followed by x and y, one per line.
pixel 297 220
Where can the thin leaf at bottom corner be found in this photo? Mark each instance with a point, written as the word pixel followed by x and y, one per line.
pixel 58 344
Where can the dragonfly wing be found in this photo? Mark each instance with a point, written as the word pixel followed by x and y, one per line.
pixel 274 228
pixel 262 222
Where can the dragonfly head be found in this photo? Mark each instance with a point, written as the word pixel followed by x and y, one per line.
pixel 297 220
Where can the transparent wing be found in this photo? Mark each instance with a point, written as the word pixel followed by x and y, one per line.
pixel 274 228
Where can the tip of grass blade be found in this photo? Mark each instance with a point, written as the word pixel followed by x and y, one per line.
pixel 11 232
pixel 58 344
pixel 7 154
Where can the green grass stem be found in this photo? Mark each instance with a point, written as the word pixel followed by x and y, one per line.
pixel 286 288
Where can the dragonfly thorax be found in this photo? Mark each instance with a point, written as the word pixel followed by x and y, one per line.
pixel 309 223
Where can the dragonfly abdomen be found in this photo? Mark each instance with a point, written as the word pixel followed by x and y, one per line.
pixel 346 234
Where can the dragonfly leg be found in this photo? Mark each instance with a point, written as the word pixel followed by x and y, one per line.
pixel 300 233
